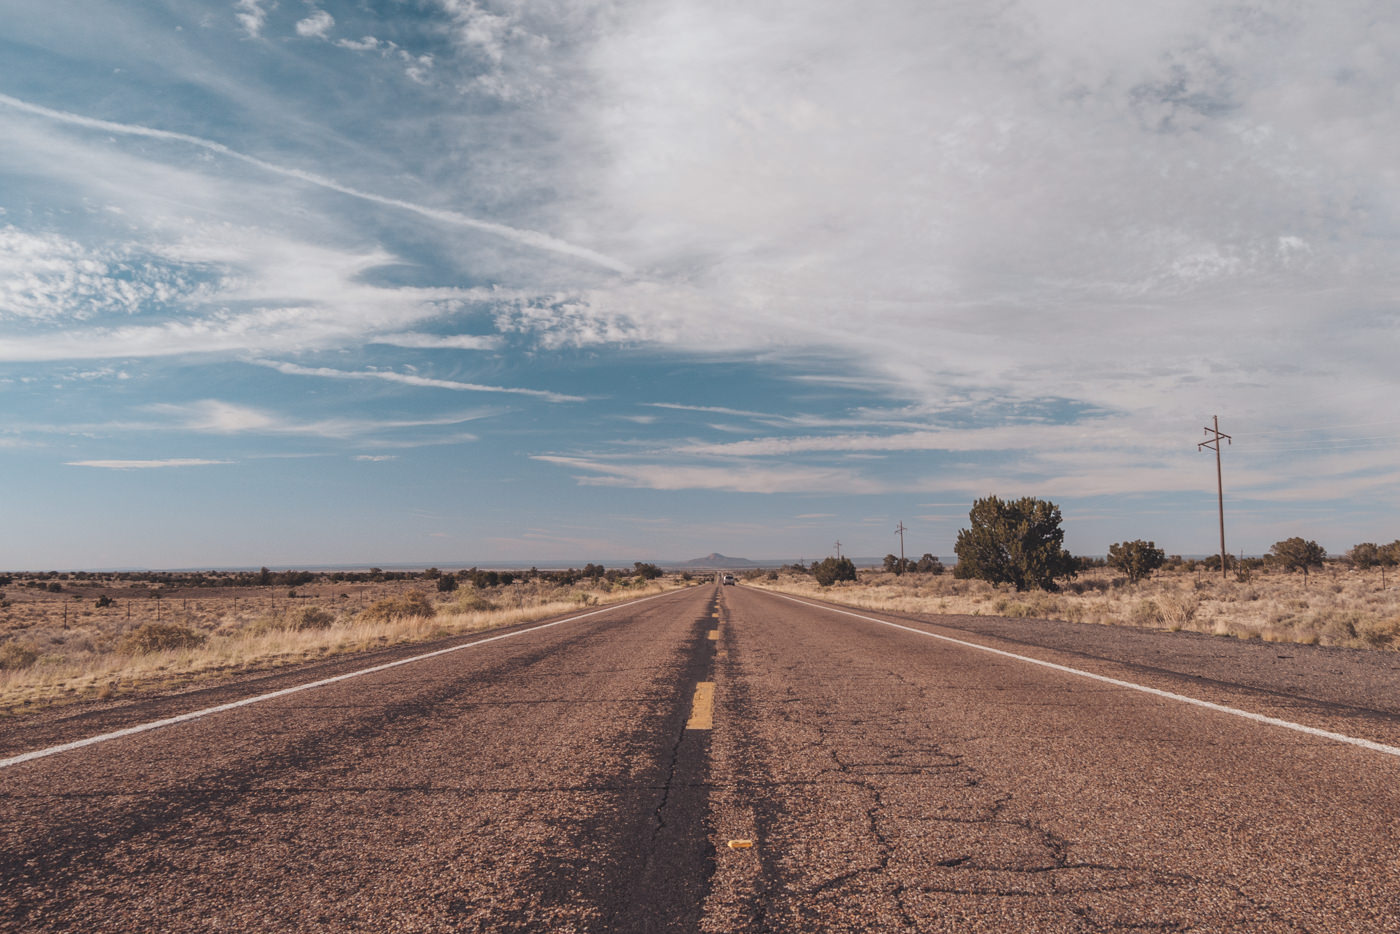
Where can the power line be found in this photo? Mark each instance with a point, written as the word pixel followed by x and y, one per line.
pixel 1214 445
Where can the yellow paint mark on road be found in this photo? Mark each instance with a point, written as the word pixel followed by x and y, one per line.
pixel 702 708
pixel 715 614
pixel 740 844
pixel 714 635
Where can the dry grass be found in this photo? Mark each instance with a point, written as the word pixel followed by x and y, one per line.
pixel 58 648
pixel 1337 606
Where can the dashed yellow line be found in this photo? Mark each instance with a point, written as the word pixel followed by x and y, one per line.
pixel 714 635
pixel 702 708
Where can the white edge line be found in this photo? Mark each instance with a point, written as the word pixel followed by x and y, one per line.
pixel 1219 708
pixel 196 714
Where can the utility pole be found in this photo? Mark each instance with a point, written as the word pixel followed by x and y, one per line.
pixel 900 531
pixel 838 549
pixel 1214 445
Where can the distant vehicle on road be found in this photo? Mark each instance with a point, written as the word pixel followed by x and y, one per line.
pixel 729 579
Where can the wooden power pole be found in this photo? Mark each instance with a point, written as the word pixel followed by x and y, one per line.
pixel 900 531
pixel 1214 444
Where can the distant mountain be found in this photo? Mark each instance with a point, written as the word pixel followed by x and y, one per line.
pixel 719 561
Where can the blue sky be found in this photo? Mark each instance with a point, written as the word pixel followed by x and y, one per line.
pixel 447 281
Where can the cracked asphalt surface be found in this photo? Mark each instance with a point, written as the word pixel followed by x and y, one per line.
pixel 886 780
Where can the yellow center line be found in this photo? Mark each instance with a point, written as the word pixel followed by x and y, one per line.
pixel 702 708
pixel 714 635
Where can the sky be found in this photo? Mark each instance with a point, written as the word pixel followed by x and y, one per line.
pixel 453 282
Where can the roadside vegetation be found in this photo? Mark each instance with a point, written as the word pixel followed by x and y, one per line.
pixel 1011 562
pixel 69 637
pixel 1337 604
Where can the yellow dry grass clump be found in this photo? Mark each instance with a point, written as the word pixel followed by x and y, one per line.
pixel 46 658
pixel 1338 606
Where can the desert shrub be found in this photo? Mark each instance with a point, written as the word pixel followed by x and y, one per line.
pixel 1339 629
pixel 308 617
pixel 160 637
pixel 16 655
pixel 1296 554
pixel 472 600
pixel 1379 634
pixel 1137 559
pixel 1176 610
pixel 409 606
pixel 830 570
pixel 1147 613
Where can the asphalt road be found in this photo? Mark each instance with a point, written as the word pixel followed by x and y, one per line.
pixel 567 779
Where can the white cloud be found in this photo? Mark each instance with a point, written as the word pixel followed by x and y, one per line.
pixel 1161 214
pixel 46 276
pixel 316 26
pixel 440 341
pixel 740 478
pixel 530 238
pixel 365 44
pixel 214 416
pixel 147 464
pixel 511 40
pixel 376 458
pixel 251 16
pixel 412 379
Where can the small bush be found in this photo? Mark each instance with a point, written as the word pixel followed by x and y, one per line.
pixel 308 617
pixel 15 655
pixel 161 637
pixel 1176 610
pixel 1339 629
pixel 408 606
pixel 1147 613
pixel 1379 634
pixel 472 600
pixel 830 570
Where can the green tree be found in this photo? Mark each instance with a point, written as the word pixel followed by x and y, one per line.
pixel 929 564
pixel 1137 559
pixel 1365 555
pixel 830 570
pixel 647 572
pixel 895 565
pixel 1295 554
pixel 1018 542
